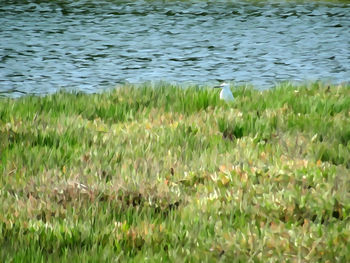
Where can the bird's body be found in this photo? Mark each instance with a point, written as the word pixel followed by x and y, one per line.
pixel 225 93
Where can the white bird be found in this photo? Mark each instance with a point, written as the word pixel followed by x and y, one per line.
pixel 225 93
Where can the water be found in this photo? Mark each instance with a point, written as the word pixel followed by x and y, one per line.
pixel 93 45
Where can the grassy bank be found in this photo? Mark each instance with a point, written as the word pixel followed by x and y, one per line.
pixel 169 174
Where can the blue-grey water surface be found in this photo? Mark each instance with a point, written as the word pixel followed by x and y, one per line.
pixel 93 45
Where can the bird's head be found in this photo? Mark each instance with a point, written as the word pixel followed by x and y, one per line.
pixel 223 85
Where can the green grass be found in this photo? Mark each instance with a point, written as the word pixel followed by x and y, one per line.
pixel 163 173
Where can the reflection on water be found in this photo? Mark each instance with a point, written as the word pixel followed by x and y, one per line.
pixel 91 45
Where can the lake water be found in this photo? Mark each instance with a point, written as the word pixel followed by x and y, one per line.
pixel 94 45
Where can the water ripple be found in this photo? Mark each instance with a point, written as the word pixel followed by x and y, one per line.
pixel 91 45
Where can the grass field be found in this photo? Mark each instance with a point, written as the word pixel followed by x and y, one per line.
pixel 163 173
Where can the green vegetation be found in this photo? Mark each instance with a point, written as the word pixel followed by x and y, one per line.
pixel 162 173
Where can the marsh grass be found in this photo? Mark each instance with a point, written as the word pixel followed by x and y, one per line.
pixel 163 173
